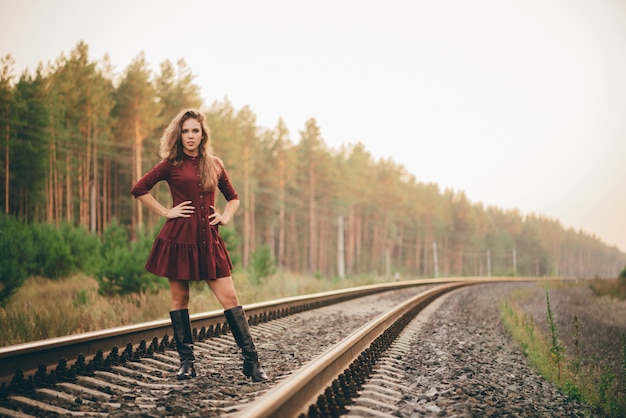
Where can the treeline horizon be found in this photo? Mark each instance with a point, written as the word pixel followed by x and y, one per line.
pixel 76 136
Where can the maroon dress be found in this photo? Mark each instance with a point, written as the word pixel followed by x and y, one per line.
pixel 188 248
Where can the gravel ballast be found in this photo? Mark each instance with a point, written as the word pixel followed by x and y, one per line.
pixel 455 359
pixel 464 363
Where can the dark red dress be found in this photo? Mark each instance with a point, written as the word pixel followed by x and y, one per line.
pixel 188 248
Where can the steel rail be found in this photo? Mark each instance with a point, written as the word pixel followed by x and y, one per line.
pixel 294 396
pixel 27 357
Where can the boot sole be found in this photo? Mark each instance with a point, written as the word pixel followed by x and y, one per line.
pixel 255 380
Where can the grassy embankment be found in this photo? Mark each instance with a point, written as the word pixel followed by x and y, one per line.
pixel 586 380
pixel 44 308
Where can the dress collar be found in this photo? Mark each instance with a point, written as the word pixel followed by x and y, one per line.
pixel 189 157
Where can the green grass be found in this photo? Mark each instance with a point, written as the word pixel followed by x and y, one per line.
pixel 592 384
pixel 44 308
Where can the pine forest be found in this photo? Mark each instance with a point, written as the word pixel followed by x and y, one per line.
pixel 76 135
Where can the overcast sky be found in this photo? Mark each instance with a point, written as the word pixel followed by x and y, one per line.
pixel 521 104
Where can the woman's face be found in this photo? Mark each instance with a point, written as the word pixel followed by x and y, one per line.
pixel 191 137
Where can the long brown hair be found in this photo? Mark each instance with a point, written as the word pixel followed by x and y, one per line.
pixel 171 147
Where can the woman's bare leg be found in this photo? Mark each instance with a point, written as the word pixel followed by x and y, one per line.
pixel 180 294
pixel 224 290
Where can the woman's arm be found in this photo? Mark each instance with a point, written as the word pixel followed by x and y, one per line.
pixel 232 199
pixel 227 216
pixel 183 210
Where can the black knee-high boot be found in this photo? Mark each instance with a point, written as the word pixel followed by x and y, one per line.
pixel 184 343
pixel 238 324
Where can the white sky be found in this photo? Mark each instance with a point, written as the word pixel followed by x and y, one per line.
pixel 521 103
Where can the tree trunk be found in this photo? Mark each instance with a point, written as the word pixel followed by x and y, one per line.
pixel 246 206
pixel 81 192
pixel 68 188
pixel 418 252
pixel 137 174
pixel 252 221
pixel 281 211
pixel 106 193
pixel 95 207
pixel 429 267
pixel 50 183
pixel 312 221
pixel 293 248
pixel 6 160
pixel 358 239
pixel 323 242
pixel 378 245
pixel 341 259
pixel 56 186
pixel 87 170
pixel 350 241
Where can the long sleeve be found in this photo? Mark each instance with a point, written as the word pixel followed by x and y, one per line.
pixel 226 186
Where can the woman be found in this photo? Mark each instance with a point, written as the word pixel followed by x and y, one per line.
pixel 189 246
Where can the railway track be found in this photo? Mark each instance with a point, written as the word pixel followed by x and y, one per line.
pixel 130 370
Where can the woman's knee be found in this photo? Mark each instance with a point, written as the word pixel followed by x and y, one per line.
pixel 180 301
pixel 180 294
pixel 230 301
pixel 225 292
pixel 227 297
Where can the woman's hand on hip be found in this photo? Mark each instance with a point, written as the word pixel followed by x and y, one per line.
pixel 216 218
pixel 182 210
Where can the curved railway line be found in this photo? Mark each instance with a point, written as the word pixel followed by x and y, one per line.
pixel 131 370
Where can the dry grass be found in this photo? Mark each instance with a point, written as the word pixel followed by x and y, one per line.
pixel 44 308
pixel 609 287
pixel 50 308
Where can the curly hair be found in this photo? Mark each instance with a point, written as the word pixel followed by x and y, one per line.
pixel 171 147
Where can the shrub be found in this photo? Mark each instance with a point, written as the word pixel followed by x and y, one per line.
pixel 121 269
pixel 16 247
pixel 52 257
pixel 261 264
pixel 232 242
pixel 114 236
pixel 84 247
